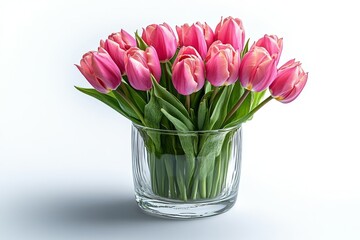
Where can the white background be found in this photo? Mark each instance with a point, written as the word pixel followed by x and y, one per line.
pixel 65 159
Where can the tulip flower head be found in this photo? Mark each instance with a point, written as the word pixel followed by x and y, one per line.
pixel 272 44
pixel 162 38
pixel 116 45
pixel 222 64
pixel 100 71
pixel 257 69
pixel 188 71
pixel 200 36
pixel 140 65
pixel 230 30
pixel 289 83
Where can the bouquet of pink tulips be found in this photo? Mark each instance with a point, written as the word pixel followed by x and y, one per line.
pixel 195 80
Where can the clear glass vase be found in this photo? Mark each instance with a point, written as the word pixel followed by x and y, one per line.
pixel 186 174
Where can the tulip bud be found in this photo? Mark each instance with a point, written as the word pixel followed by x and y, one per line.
pixel 222 64
pixel 257 69
pixel 100 70
pixel 289 83
pixel 162 38
pixel 230 30
pixel 188 71
pixel 116 45
pixel 272 44
pixel 140 65
pixel 197 36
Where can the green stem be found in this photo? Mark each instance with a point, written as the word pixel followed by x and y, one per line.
pixel 252 112
pixel 188 102
pixel 237 105
pixel 203 188
pixel 216 90
pixel 131 104
pixel 194 189
pixel 217 176
pixel 125 90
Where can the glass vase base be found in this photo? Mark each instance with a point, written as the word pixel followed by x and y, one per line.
pixel 175 209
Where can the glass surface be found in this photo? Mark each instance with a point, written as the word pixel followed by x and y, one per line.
pixel 186 174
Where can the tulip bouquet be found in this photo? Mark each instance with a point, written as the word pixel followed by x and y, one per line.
pixel 197 80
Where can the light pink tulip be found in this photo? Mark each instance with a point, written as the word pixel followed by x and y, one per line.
pixel 289 83
pixel 162 38
pixel 140 65
pixel 116 45
pixel 230 30
pixel 100 70
pixel 188 71
pixel 222 64
pixel 272 44
pixel 197 35
pixel 257 69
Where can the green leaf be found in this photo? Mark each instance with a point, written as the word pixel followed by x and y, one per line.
pixel 176 113
pixel 179 125
pixel 134 95
pixel 244 108
pixel 202 114
pixel 172 105
pixel 140 42
pixel 109 100
pixel 124 105
pixel 211 148
pixel 236 93
pixel 162 93
pixel 245 50
pixel 187 141
pixel 196 98
pixel 258 96
pixel 152 117
pixel 207 87
pixel 219 113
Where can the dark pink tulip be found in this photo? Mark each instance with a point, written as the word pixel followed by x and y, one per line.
pixel 162 38
pixel 197 36
pixel 222 64
pixel 257 69
pixel 140 65
pixel 188 71
pixel 116 45
pixel 272 44
pixel 289 83
pixel 100 70
pixel 230 30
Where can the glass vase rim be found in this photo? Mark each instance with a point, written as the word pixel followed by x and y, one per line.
pixel 167 131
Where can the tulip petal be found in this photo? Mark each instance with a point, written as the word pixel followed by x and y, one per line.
pixel 138 75
pixel 217 70
pixel 183 80
pixel 106 69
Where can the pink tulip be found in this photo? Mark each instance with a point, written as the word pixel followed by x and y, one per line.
pixel 197 35
pixel 257 69
pixel 100 70
pixel 140 65
pixel 222 64
pixel 289 83
pixel 208 33
pixel 230 30
pixel 188 71
pixel 116 45
pixel 162 38
pixel 272 44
